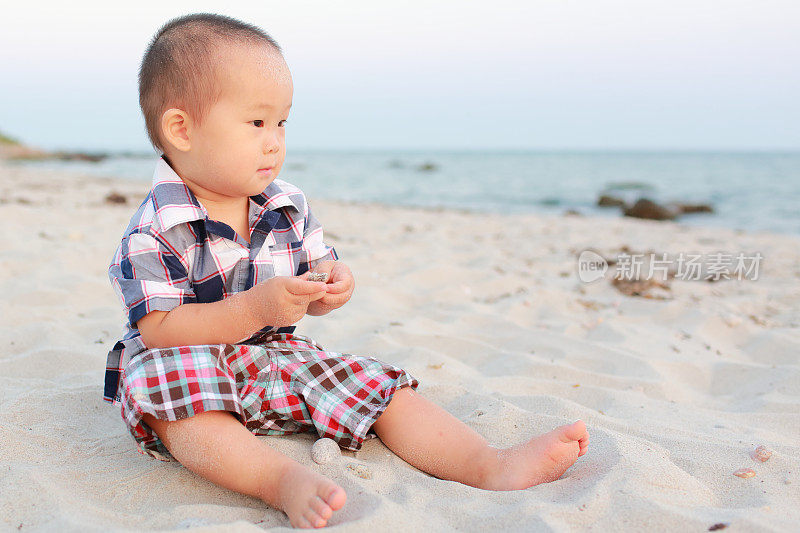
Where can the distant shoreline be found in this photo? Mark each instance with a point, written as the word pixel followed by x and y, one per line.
pixel 732 190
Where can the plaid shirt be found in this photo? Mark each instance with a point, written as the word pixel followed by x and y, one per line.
pixel 172 254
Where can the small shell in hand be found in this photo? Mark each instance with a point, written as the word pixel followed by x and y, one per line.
pixel 325 451
pixel 318 276
pixel 762 453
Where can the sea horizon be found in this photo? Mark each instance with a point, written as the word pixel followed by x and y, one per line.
pixel 747 189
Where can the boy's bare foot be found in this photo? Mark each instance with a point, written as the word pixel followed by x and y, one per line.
pixel 308 499
pixel 540 460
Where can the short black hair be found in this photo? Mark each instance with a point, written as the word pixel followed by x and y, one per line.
pixel 180 66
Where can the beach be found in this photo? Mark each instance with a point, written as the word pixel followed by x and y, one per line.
pixel 488 312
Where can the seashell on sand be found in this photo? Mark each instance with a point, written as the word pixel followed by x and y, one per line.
pixel 360 470
pixel 325 451
pixel 318 276
pixel 744 473
pixel 762 453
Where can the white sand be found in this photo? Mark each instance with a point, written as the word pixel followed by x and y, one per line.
pixel 488 313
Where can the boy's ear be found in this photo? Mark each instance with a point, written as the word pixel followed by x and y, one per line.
pixel 175 126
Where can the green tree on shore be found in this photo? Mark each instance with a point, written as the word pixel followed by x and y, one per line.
pixel 5 139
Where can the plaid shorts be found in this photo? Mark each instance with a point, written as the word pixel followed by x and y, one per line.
pixel 284 384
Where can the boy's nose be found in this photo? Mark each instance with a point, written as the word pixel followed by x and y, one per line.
pixel 271 144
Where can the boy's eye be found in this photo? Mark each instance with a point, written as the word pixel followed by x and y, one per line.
pixel 260 123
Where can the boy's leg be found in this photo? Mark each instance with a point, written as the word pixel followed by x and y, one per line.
pixel 433 440
pixel 216 446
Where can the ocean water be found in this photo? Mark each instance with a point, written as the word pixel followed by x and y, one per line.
pixel 758 191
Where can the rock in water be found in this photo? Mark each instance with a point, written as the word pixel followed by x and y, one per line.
pixel 325 451
pixel 644 208
pixel 427 167
pixel 695 208
pixel 606 200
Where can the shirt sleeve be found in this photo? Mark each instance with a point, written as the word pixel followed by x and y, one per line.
pixel 313 241
pixel 147 276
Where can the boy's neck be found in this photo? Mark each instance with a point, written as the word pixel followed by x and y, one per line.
pixel 233 211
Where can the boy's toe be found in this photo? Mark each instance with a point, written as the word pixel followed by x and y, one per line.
pixel 334 496
pixel 319 506
pixel 573 432
pixel 314 519
pixel 302 523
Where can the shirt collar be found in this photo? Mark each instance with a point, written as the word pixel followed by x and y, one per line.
pixel 174 203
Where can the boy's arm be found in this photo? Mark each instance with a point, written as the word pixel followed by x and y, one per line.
pixel 279 301
pixel 153 284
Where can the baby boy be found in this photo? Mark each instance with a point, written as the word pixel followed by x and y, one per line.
pixel 213 271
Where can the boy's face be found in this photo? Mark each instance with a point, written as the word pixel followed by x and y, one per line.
pixel 243 132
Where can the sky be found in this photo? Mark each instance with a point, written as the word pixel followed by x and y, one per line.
pixel 538 75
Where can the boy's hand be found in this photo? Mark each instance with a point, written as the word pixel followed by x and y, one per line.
pixel 339 287
pixel 283 300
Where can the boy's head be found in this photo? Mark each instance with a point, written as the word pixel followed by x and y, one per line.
pixel 215 92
